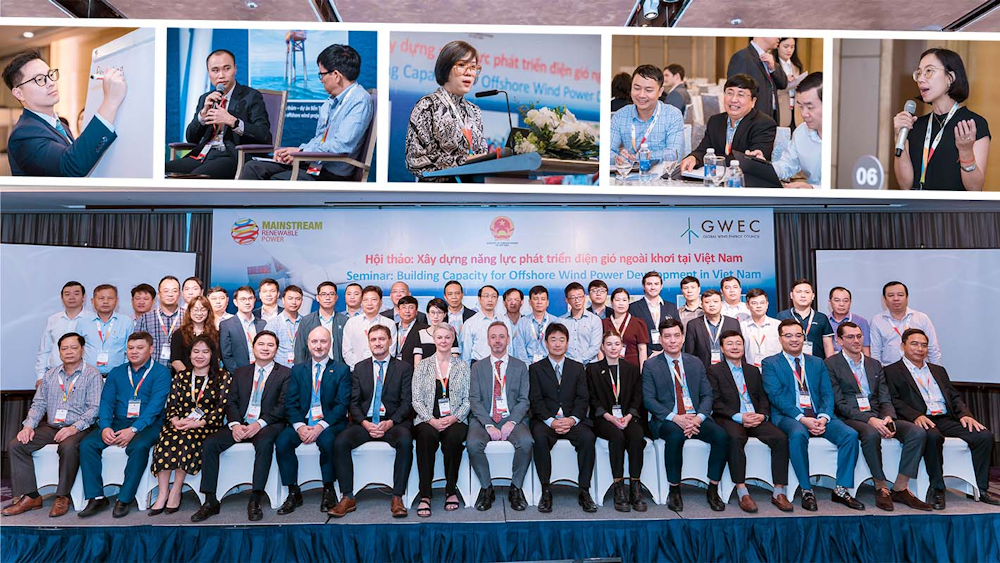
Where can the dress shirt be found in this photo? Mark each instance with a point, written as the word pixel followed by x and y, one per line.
pixel 760 340
pixel 82 403
pixel 260 388
pixel 286 329
pixel 401 333
pixel 529 338
pixel 730 133
pixel 267 317
pixel 105 338
pixel 161 326
pixel 375 374
pixel 53 119
pixel 558 367
pixel 687 315
pixel 475 344
pixel 217 141
pixel 48 352
pixel 804 153
pixel 341 127
pixel 667 133
pixel 684 386
pixel 319 381
pixel 856 319
pixel 356 337
pixel 886 334
pixel 741 389
pixel 584 336
pixel 932 392
pixel 739 311
pixel 802 363
pixel 858 369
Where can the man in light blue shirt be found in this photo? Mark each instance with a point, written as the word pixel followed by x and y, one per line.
pixel 585 328
pixel 647 120
pixel 805 151
pixel 529 335
pixel 106 332
pixel 888 326
pixel 286 325
pixel 475 344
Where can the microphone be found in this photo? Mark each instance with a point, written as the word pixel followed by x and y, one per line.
pixel 909 107
pixel 488 93
pixel 220 89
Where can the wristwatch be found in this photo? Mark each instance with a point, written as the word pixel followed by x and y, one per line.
pixel 132 428
pixel 969 168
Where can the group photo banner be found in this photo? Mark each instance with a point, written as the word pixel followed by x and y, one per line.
pixel 502 246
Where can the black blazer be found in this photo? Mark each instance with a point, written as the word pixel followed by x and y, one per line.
pixel 641 310
pixel 845 389
pixel 755 132
pixel 601 395
pixel 908 401
pixel 334 393
pixel 726 401
pixel 272 402
pixel 391 314
pixel 546 395
pixel 247 105
pixel 412 342
pixel 747 61
pixel 397 392
pixel 467 314
pixel 698 342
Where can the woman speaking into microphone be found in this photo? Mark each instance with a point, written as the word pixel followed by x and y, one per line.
pixel 948 148
pixel 445 129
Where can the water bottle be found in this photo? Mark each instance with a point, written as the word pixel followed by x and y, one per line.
pixel 709 167
pixel 734 175
pixel 645 162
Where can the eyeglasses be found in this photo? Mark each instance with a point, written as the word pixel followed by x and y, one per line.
pixel 599 291
pixel 576 298
pixel 464 68
pixel 738 94
pixel 927 73
pixel 42 79
pixel 322 74
pixel 791 335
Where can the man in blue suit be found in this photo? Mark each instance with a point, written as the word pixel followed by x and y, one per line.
pixel 798 386
pixel 237 332
pixel 39 144
pixel 319 392
pixel 652 309
pixel 671 375
pixel 130 417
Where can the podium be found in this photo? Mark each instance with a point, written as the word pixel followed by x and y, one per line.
pixel 516 167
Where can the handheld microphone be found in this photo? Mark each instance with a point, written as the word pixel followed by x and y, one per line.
pixel 220 89
pixel 909 107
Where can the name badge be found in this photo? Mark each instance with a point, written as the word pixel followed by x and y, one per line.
pixel 863 403
pixel 102 359
pixel 936 407
pixel 623 351
pixel 716 357
pixel 313 170
pixel 133 408
pixel 688 404
pixel 807 347
pixel 165 353
pixel 559 413
pixel 60 416
pixel 805 401
pixel 616 411
pixel 444 405
pixel 290 358
pixel 253 413
pixel 502 405
pixel 196 414
pixel 381 410
pixel 654 337
pixel 748 407
pixel 316 412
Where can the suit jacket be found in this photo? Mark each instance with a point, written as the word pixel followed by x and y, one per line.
pixel 247 105
pixel 307 324
pixel 334 393
pixel 424 386
pixel 391 314
pixel 658 388
pixel 548 395
pixel 698 342
pixel 845 389
pixel 233 342
pixel 256 312
pixel 602 397
pixel 727 401
pixel 755 132
pixel 783 392
pixel 641 310
pixel 517 385
pixel 467 314
pixel 747 61
pixel 397 391
pixel 272 402
pixel 908 401
pixel 35 148
pixel 679 98
pixel 412 342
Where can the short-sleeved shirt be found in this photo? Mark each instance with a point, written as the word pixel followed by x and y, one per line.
pixel 943 171
pixel 636 333
pixel 818 329
pixel 866 332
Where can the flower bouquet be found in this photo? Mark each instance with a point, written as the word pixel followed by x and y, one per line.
pixel 555 133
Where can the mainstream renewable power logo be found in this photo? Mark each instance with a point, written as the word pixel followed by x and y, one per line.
pixel 244 231
pixel 690 232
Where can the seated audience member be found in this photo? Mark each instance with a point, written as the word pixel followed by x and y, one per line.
pixel 804 154
pixel 818 332
pixel 675 92
pixel 286 325
pixel 922 393
pixel 68 397
pixel 425 347
pixel 357 346
pixel 630 329
pixel 585 328
pixel 143 297
pixel 106 332
pixel 691 292
pixel 760 330
pixel 597 290
pixel 343 123
pixel 73 296
pixel 130 417
pixel 381 409
pixel 840 306
pixel 499 403
pixel 621 95
pixel 237 334
pixel 701 338
pixel 162 321
pixel 333 322
pixel 199 320
pixel 888 326
pixel 475 344
pixel 647 120
pixel 268 292
pixel 316 403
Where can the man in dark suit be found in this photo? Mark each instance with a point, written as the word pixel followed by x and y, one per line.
pixel 798 387
pixel 862 401
pixel 398 291
pixel 922 393
pixel 652 309
pixel 326 298
pixel 679 398
pixel 741 408
pixel 319 392
pixel 458 313
pixel 739 129
pixel 255 413
pixel 559 404
pixel 381 409
pixel 675 92
pixel 237 332
pixel 702 333
pixel 758 61
pixel 230 114
pixel 39 144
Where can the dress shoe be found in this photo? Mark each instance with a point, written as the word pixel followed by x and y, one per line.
pixel 94 506
pixel 22 504
pixel 171 509
pixel 586 502
pixel 254 513
pixel 486 497
pixel 206 511
pixel 329 500
pixel 622 503
pixel 155 511
pixel 714 502
pixel 545 503
pixel 60 507
pixel 343 508
pixel 883 500
pixel 847 500
pixel 935 498
pixel 635 496
pixel 674 500
pixel 783 504
pixel 747 504
pixel 291 503
pixel 989 498
pixel 907 498
pixel 515 496
pixel 397 508
pixel 121 509
pixel 809 501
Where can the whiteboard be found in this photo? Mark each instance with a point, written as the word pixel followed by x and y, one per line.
pixel 131 155
pixel 956 288
pixel 33 276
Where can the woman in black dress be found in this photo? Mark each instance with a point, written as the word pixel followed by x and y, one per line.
pixel 199 319
pixel 437 313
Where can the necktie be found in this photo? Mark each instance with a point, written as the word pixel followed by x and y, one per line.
pixel 255 400
pixel 377 399
pixel 774 94
pixel 678 390
pixel 497 390
pixel 802 387
pixel 559 373
pixel 217 126
pixel 62 130
pixel 315 393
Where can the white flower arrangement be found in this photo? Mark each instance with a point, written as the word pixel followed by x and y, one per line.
pixel 556 133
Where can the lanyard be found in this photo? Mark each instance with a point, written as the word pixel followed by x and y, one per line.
pixel 246 329
pixel 173 323
pixel 624 325
pixel 714 337
pixel 616 381
pixel 72 383
pixel 648 128
pixel 895 328
pixel 855 373
pixel 257 381
pixel 677 374
pixel 924 387
pixel 763 337
pixel 336 110
pixel 809 322
pixel 443 379
pixel 930 148
pixel 317 381
pixel 539 334
pixel 801 380
pixel 104 335
pixel 291 335
pixel 466 131
pixel 743 392
pixel 201 392
pixel 135 388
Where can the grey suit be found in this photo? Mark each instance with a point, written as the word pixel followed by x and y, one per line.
pixel 311 321
pixel 233 342
pixel 481 403
pixel 678 97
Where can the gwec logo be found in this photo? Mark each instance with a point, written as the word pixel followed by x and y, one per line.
pixel 724 228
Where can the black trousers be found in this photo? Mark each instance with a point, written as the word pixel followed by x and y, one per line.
pixel 582 438
pixel 766 432
pixel 263 445
pixel 22 466
pixel 257 170
pixel 452 442
pixel 619 441
pixel 910 436
pixel 981 444
pixel 217 164
pixel 399 437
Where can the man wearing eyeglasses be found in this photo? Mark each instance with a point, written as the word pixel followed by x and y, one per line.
pixel 39 144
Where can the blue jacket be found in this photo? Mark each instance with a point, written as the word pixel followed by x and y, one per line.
pixel 36 148
pixel 782 390
pixel 233 342
pixel 118 392
pixel 334 393
pixel 658 388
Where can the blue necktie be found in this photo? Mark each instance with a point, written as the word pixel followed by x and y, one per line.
pixel 62 130
pixel 377 399
pixel 314 401
pixel 559 373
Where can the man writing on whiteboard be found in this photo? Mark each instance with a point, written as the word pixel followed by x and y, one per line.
pixel 230 114
pixel 39 144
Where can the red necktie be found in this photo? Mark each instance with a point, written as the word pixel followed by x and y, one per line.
pixel 496 393
pixel 678 390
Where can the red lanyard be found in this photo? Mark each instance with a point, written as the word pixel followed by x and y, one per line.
pixel 135 392
pixel 616 386
pixel 63 388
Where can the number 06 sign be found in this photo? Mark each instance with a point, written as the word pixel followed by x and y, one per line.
pixel 868 174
